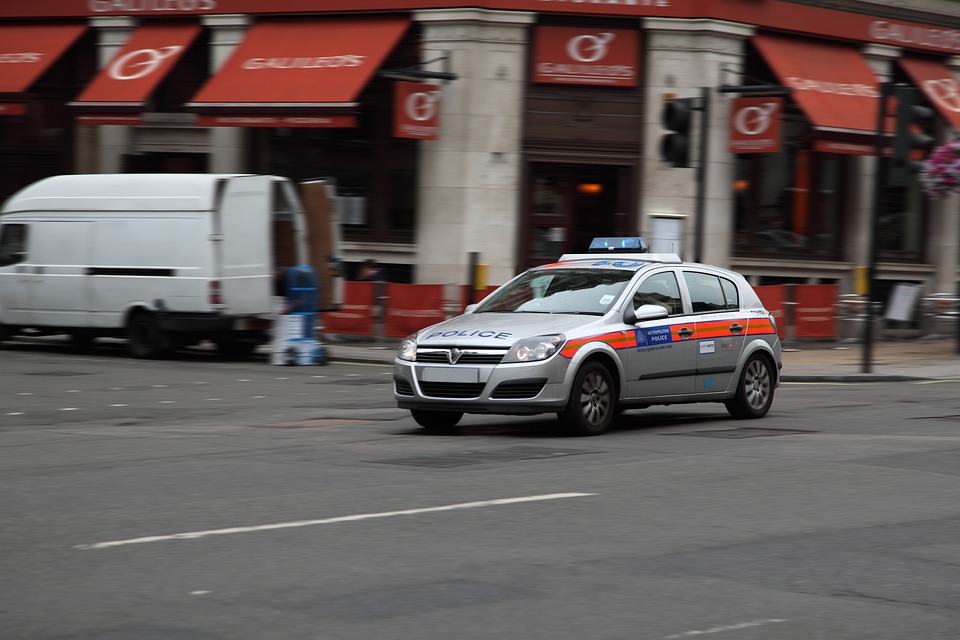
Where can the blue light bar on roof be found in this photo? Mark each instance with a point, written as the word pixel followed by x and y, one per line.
pixel 618 245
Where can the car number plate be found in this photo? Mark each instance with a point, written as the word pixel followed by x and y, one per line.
pixel 450 374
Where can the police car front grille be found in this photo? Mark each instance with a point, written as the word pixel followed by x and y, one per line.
pixel 452 389
pixel 472 356
pixel 402 387
pixel 518 389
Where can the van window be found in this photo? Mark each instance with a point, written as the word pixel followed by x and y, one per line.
pixel 13 244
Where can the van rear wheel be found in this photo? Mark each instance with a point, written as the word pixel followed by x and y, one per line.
pixel 145 338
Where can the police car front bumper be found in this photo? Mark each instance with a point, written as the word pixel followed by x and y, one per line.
pixel 514 389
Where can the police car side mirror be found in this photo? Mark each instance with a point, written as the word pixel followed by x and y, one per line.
pixel 645 312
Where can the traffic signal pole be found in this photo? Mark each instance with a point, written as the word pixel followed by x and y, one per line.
pixel 704 147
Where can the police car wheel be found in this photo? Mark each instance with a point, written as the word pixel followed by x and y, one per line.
pixel 754 394
pixel 436 420
pixel 592 402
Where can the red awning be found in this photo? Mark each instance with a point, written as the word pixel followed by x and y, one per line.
pixel 937 83
pixel 126 82
pixel 26 51
pixel 832 83
pixel 305 72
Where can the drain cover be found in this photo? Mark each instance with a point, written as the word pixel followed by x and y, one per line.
pixel 740 433
pixel 486 456
pixel 308 424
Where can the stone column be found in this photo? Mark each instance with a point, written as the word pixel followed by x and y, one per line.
pixel 682 57
pixel 944 243
pixel 113 141
pixel 469 178
pixel 226 143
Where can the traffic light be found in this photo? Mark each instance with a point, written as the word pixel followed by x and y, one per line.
pixel 676 118
pixel 911 135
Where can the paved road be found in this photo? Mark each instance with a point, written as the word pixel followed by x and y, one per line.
pixel 201 499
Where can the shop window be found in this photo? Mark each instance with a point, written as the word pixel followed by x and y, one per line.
pixel 901 222
pixel 794 202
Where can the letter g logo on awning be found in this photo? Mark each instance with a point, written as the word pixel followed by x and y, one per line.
pixel 140 63
pixel 946 92
pixel 589 48
pixel 755 119
pixel 422 105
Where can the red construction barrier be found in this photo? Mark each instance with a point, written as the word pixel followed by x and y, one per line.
pixel 355 316
pixel 411 307
pixel 815 314
pixel 774 297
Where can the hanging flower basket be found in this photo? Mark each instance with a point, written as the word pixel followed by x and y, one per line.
pixel 940 175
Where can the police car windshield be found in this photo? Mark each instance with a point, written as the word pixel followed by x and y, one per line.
pixel 557 290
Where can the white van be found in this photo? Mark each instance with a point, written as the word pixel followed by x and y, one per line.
pixel 166 260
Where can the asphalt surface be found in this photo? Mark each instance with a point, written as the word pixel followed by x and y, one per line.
pixel 934 358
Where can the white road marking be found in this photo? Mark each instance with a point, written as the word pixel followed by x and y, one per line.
pixel 732 627
pixel 937 381
pixel 191 535
pixel 119 405
pixel 73 390
pixel 14 413
pixel 199 593
pixel 69 409
pixel 258 396
pixel 25 393
pixel 213 398
pixel 243 380
pixel 160 385
pixel 167 402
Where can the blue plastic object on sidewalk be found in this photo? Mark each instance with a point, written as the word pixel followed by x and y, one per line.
pixel 303 347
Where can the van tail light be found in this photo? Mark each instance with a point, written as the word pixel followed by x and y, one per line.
pixel 215 294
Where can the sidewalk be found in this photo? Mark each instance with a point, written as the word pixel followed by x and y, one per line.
pixel 891 360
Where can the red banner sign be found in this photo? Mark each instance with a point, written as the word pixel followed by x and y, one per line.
pixel 117 119
pixel 584 56
pixel 322 122
pixel 12 109
pixel 755 125
pixel 416 110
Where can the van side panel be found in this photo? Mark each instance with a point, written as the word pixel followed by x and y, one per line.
pixel 158 261
pixel 246 267
pixel 55 286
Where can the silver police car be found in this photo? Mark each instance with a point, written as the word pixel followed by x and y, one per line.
pixel 592 335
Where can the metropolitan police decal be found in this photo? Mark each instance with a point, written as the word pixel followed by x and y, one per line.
pixel 652 337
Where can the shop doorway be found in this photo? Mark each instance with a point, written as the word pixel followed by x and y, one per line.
pixel 567 205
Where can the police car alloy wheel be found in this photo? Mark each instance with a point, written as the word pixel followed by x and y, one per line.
pixel 755 391
pixel 592 335
pixel 592 402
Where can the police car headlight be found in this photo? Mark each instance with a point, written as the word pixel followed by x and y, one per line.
pixel 408 349
pixel 534 349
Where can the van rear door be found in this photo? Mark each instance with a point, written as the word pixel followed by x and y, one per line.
pixel 244 265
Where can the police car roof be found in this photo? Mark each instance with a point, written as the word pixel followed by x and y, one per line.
pixel 607 259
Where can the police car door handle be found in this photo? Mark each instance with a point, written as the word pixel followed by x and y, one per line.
pixel 685 333
pixel 736 327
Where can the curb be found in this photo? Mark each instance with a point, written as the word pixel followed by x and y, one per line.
pixel 851 378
